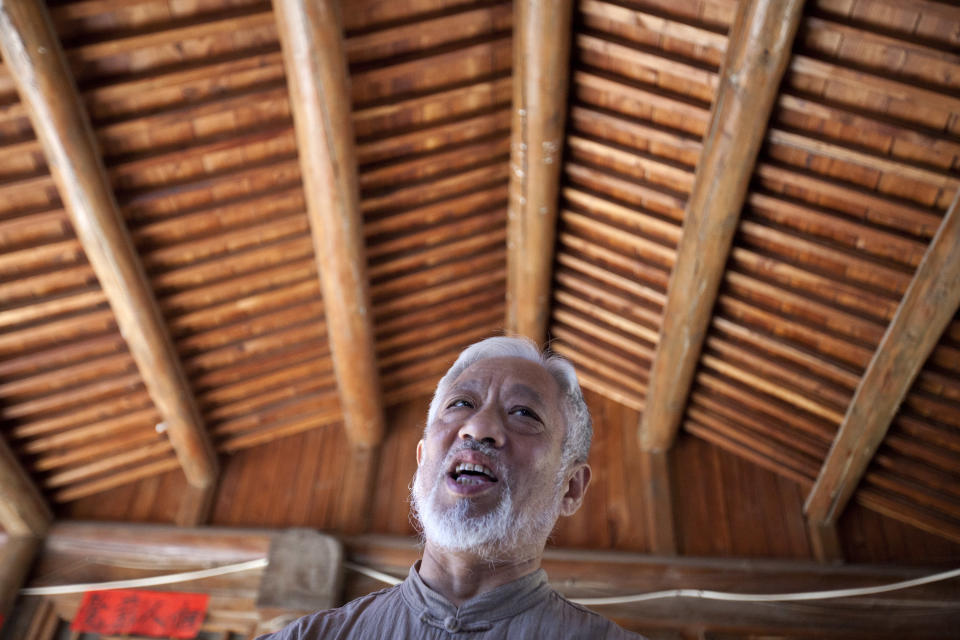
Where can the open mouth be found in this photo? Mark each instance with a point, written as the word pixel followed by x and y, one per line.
pixel 467 473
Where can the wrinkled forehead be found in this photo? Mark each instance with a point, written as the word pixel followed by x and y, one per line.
pixel 515 377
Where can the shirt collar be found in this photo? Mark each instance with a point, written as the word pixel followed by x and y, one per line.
pixel 478 613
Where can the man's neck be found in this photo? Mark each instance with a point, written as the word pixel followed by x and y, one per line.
pixel 461 576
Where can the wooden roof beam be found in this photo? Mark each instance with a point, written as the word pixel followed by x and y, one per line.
pixel 760 42
pixel 36 61
pixel 313 51
pixel 926 309
pixel 541 53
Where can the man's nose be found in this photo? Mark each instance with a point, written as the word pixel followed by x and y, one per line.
pixel 485 426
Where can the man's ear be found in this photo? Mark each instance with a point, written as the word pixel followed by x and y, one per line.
pixel 419 452
pixel 576 489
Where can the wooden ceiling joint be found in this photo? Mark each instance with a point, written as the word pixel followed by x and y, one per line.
pixel 541 59
pixel 923 315
pixel 760 44
pixel 35 60
pixel 316 66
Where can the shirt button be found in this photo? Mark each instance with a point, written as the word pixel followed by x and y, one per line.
pixel 451 624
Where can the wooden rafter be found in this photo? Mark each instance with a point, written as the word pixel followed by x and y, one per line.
pixel 316 65
pixel 924 313
pixel 541 52
pixel 760 43
pixel 35 59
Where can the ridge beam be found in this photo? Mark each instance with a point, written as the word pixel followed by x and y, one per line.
pixel 760 43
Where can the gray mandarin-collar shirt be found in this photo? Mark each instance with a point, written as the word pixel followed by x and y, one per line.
pixel 524 608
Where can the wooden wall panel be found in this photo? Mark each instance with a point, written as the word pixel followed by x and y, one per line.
pixel 869 536
pixel 728 506
pixel 612 513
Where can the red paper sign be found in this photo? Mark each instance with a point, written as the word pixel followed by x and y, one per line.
pixel 146 613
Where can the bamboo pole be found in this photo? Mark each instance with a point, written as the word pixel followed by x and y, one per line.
pixel 313 49
pixel 924 313
pixel 760 43
pixel 541 51
pixel 39 68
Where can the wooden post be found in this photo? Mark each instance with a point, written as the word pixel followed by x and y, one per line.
pixel 16 557
pixel 658 502
pixel 23 511
pixel 924 313
pixel 825 542
pixel 760 42
pixel 195 506
pixel 25 519
pixel 310 35
pixel 541 52
pixel 356 491
pixel 36 61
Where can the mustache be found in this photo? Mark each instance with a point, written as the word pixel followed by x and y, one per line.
pixel 477 445
pixel 488 450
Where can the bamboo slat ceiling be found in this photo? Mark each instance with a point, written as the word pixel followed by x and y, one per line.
pixel 194 120
pixel 848 190
pixel 191 110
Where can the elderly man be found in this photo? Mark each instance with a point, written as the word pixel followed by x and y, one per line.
pixel 503 455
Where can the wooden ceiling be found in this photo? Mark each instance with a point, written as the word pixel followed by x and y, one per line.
pixel 823 282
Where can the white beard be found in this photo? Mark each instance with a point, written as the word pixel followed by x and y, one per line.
pixel 494 536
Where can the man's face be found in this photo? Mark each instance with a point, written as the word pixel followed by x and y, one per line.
pixel 489 478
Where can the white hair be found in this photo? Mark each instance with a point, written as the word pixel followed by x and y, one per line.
pixel 579 428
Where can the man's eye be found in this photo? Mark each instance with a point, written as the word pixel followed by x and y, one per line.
pixel 460 403
pixel 526 413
